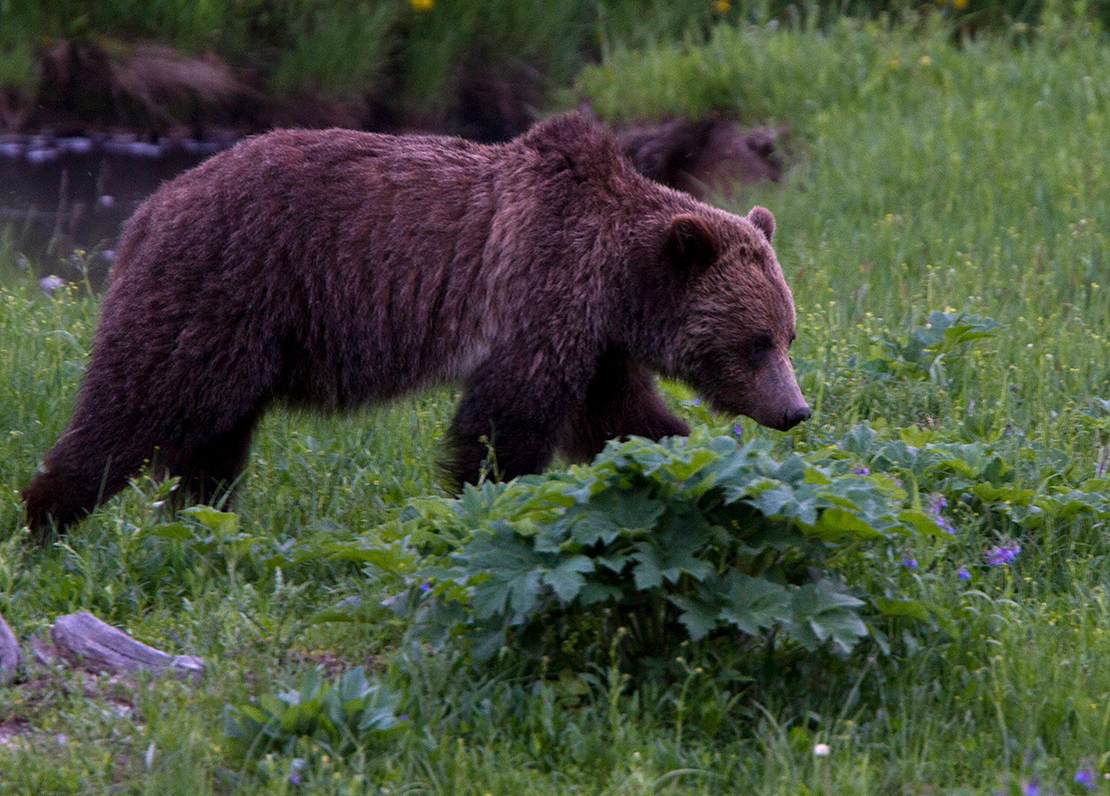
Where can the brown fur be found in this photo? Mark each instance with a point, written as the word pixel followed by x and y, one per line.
pixel 336 268
pixel 703 157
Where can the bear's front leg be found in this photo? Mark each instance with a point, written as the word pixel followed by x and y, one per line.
pixel 621 401
pixel 514 413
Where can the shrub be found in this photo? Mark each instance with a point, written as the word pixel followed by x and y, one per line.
pixel 655 544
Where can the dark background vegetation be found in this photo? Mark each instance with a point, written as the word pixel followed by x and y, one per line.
pixel 482 68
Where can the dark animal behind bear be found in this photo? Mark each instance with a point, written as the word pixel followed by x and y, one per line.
pixel 337 268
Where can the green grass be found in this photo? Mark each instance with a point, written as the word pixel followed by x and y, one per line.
pixel 927 173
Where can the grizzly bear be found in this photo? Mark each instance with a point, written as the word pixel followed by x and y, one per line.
pixel 337 268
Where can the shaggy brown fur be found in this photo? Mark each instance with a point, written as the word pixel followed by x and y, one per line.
pixel 335 268
pixel 702 157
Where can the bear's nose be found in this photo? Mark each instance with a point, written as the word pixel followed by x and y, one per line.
pixel 795 416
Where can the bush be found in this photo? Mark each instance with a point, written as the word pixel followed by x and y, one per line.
pixel 655 544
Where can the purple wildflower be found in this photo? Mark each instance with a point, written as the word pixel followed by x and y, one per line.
pixel 1086 778
pixel 295 770
pixel 1002 554
pixel 937 502
pixel 861 470
pixel 909 562
pixel 963 574
pixel 425 587
pixel 1031 788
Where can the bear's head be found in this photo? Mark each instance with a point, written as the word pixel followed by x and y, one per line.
pixel 732 329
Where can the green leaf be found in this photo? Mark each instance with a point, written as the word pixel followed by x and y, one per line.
pixel 567 578
pixel 835 523
pixel 754 604
pixel 222 523
pixel 593 528
pixel 771 501
pixel 821 612
pixel 177 531
pixel 630 510
pixel 646 574
pixel 682 470
pixel 615 563
pixel 921 522
pixel 698 618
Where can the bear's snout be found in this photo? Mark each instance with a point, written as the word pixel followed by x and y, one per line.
pixel 794 416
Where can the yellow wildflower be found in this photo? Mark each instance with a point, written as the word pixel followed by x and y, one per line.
pixel 422 5
pixel 721 6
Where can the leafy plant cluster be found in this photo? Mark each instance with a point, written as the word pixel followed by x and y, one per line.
pixel 935 351
pixel 337 719
pixel 996 496
pixel 654 544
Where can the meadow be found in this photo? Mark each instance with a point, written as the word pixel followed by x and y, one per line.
pixel 942 224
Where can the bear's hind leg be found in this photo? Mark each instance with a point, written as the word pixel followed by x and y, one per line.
pixel 621 401
pixel 94 458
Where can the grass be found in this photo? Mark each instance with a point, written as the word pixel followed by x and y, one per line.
pixel 928 173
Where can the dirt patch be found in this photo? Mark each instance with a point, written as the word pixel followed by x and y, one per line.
pixel 12 730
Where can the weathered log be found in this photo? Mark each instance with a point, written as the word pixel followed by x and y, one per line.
pixel 9 653
pixel 86 641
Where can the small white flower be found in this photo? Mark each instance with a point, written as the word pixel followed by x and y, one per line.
pixel 821 750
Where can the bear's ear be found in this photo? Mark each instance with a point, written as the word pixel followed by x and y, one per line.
pixel 763 220
pixel 691 243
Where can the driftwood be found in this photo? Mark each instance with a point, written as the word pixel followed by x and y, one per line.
pixel 9 652
pixel 86 641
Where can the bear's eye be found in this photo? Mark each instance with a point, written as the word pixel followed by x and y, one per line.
pixel 762 342
pixel 758 348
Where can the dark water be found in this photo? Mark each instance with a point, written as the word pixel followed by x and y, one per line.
pixel 60 197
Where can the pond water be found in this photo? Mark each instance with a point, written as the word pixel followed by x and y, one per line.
pixel 63 200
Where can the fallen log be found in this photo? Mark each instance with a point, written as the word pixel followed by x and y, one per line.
pixel 86 641
pixel 9 653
